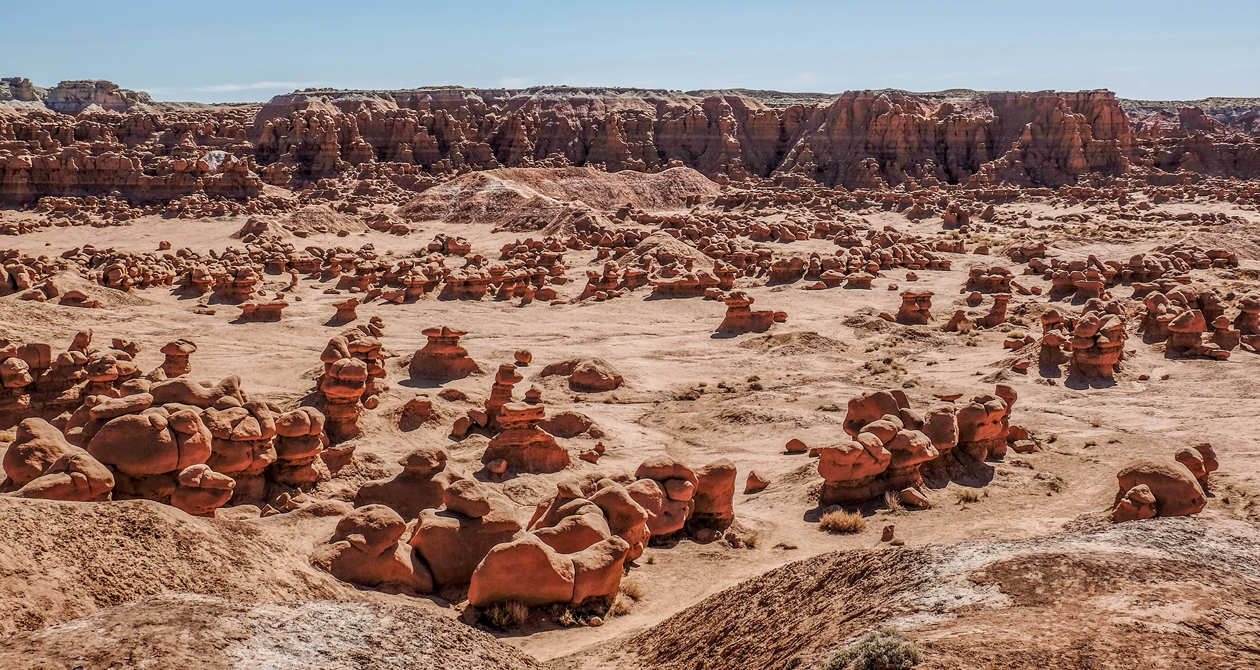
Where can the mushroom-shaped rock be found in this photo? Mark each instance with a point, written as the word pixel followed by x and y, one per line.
pixel 299 441
pixel 176 362
pixel 849 469
pixel 365 549
pixel 417 487
pixel 442 359
pixel 200 490
pixel 523 444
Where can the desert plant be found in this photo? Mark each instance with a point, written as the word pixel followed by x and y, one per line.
pixel 840 521
pixel 893 502
pixel 621 605
pixel 877 650
pixel 970 495
pixel 631 588
pixel 567 619
pixel 507 615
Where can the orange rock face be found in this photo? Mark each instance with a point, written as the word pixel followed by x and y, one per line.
pixel 442 359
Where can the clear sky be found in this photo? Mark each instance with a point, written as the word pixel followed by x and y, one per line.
pixel 243 51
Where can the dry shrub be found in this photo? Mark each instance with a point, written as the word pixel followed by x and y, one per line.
pixel 621 605
pixel 507 615
pixel 840 521
pixel 893 502
pixel 970 495
pixel 631 588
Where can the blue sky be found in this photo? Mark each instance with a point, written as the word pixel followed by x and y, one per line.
pixel 244 51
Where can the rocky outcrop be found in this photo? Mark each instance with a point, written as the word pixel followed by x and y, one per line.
pixel 402 142
pixel 72 97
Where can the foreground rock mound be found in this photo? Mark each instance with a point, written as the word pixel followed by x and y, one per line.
pixel 325 633
pixel 817 604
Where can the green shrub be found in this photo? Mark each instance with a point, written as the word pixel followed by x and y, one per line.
pixel 877 650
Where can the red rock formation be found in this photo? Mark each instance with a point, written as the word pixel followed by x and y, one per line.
pixel 586 375
pixel 421 485
pixel 442 359
pixel 916 308
pixel 741 319
pixel 40 463
pixel 366 549
pixel 300 440
pixel 522 444
pixel 200 490
pixel 1149 488
pixel 892 445
pixel 394 140
pixel 453 541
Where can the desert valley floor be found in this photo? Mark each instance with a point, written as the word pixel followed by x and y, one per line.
pixel 668 396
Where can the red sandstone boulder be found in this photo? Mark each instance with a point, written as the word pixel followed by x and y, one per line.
pixel 524 570
pixel 1174 487
pixel 420 486
pixel 40 463
pixel 365 549
pixel 200 490
pixel 590 375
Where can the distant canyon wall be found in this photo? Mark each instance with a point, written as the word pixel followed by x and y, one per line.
pixel 93 138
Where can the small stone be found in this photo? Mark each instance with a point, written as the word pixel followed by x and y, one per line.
pixel 755 483
pixel 911 496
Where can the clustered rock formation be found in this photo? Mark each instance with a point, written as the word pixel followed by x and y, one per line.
pixel 1093 342
pixel 1151 488
pixel 574 550
pixel 890 444
pixel 114 433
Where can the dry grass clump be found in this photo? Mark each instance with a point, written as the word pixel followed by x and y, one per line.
pixel 629 593
pixel 507 615
pixel 840 521
pixel 893 502
pixel 969 495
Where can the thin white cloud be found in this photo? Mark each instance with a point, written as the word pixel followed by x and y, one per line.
pixel 252 86
pixel 515 82
pixel 228 88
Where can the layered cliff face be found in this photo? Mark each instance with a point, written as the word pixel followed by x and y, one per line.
pixel 856 139
pixel 72 97
pixel 141 156
pixel 20 89
pixel 118 141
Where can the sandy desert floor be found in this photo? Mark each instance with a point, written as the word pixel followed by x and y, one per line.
pixel 691 395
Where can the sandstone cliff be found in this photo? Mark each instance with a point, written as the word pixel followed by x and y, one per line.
pixel 95 138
